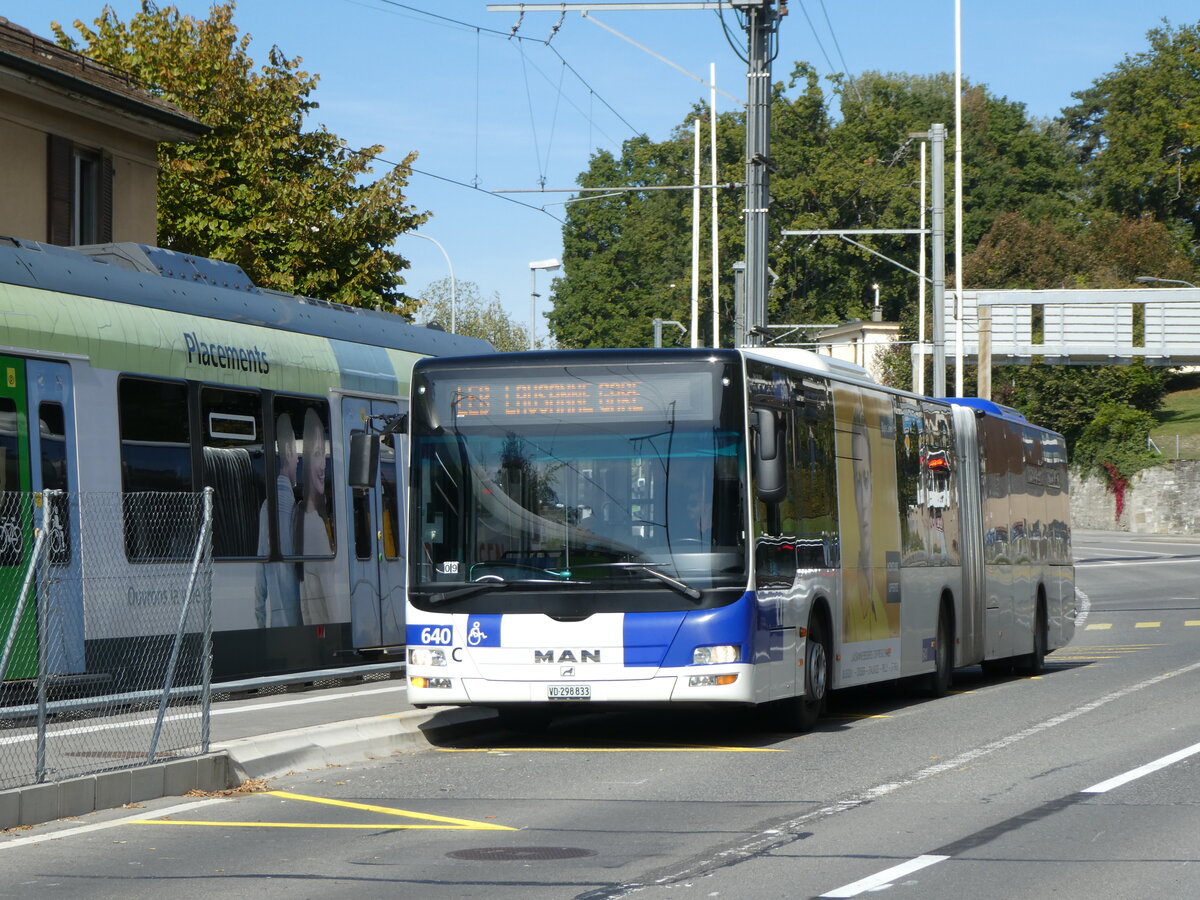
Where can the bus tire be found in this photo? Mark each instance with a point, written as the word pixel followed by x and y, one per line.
pixel 1035 662
pixel 937 682
pixel 802 713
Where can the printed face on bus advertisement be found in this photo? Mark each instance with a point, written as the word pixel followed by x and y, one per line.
pixel 870 523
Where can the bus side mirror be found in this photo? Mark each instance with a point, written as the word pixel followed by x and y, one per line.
pixel 770 477
pixel 364 459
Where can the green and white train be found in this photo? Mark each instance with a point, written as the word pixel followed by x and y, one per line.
pixel 131 369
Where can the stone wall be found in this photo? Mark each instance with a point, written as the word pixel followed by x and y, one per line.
pixel 1162 500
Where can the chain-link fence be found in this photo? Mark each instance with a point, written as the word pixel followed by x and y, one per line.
pixel 105 631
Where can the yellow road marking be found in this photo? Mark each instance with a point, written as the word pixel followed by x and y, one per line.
pixel 446 823
pixel 1148 625
pixel 380 826
pixel 1192 622
pixel 1099 626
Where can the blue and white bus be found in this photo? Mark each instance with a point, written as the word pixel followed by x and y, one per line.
pixel 719 527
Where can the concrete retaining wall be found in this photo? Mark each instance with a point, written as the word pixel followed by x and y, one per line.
pixel 1162 500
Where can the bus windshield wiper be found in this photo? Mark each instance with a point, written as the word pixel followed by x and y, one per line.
pixel 674 583
pixel 493 583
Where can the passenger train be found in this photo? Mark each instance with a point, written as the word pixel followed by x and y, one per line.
pixel 133 369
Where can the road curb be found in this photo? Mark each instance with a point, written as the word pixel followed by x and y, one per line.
pixel 344 743
pixel 232 762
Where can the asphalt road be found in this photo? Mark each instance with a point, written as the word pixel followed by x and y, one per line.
pixel 1012 787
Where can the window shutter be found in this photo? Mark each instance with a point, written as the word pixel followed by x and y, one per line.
pixel 59 190
pixel 105 225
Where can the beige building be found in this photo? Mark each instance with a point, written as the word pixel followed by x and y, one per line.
pixel 78 141
pixel 858 343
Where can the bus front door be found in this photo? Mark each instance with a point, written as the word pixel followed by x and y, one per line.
pixel 377 575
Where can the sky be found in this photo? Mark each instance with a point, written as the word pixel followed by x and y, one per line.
pixel 486 113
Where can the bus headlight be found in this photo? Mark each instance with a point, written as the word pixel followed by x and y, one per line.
pixel 722 654
pixel 426 656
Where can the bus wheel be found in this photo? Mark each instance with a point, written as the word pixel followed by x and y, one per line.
pixel 937 682
pixel 1035 662
pixel 803 712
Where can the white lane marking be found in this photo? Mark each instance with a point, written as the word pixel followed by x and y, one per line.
pixel 1085 607
pixel 885 878
pixel 101 826
pixel 1104 564
pixel 1118 780
pixel 1091 550
pixel 757 843
pixel 324 698
pixel 183 717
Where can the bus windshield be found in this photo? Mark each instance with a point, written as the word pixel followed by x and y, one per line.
pixel 613 487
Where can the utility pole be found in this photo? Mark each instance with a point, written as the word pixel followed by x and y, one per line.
pixel 937 147
pixel 761 18
pixel 762 22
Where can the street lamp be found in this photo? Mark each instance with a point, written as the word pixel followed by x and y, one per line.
pixel 1150 279
pixel 549 265
pixel 453 285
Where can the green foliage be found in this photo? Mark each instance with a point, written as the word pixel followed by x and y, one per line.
pixel 1136 130
pixel 1115 441
pixel 622 254
pixel 473 316
pixel 1066 398
pixel 287 204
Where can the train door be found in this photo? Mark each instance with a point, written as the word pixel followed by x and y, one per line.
pixel 16 517
pixel 53 467
pixel 377 531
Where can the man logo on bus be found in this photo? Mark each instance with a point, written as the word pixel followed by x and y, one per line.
pixel 566 656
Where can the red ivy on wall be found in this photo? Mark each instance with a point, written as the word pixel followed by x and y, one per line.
pixel 1118 484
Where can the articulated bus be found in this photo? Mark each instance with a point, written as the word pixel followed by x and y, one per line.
pixel 131 369
pixel 730 527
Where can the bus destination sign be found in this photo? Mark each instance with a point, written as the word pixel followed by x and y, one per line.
pixel 557 399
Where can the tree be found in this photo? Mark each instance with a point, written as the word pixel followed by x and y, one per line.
pixel 284 202
pixel 1136 130
pixel 627 259
pixel 473 316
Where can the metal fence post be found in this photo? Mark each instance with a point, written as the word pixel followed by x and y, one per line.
pixel 198 557
pixel 47 499
pixel 206 641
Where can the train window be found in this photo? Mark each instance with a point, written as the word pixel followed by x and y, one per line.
pixel 313 532
pixel 234 468
pixel 10 447
pixel 53 441
pixel 156 459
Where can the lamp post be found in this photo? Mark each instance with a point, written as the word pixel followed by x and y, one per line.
pixel 549 265
pixel 1150 279
pixel 453 284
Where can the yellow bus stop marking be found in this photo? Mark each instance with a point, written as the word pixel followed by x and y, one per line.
pixel 444 823
pixel 1099 626
pixel 1148 625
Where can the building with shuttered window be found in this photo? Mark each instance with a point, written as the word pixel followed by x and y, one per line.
pixel 78 145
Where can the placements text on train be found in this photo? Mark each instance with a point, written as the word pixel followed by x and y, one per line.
pixel 719 527
pixel 132 371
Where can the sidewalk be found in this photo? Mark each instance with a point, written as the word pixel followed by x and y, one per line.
pixel 261 736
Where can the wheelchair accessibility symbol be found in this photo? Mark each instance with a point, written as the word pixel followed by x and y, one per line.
pixel 476 635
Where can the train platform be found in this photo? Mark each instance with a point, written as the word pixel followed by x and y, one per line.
pixel 262 731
